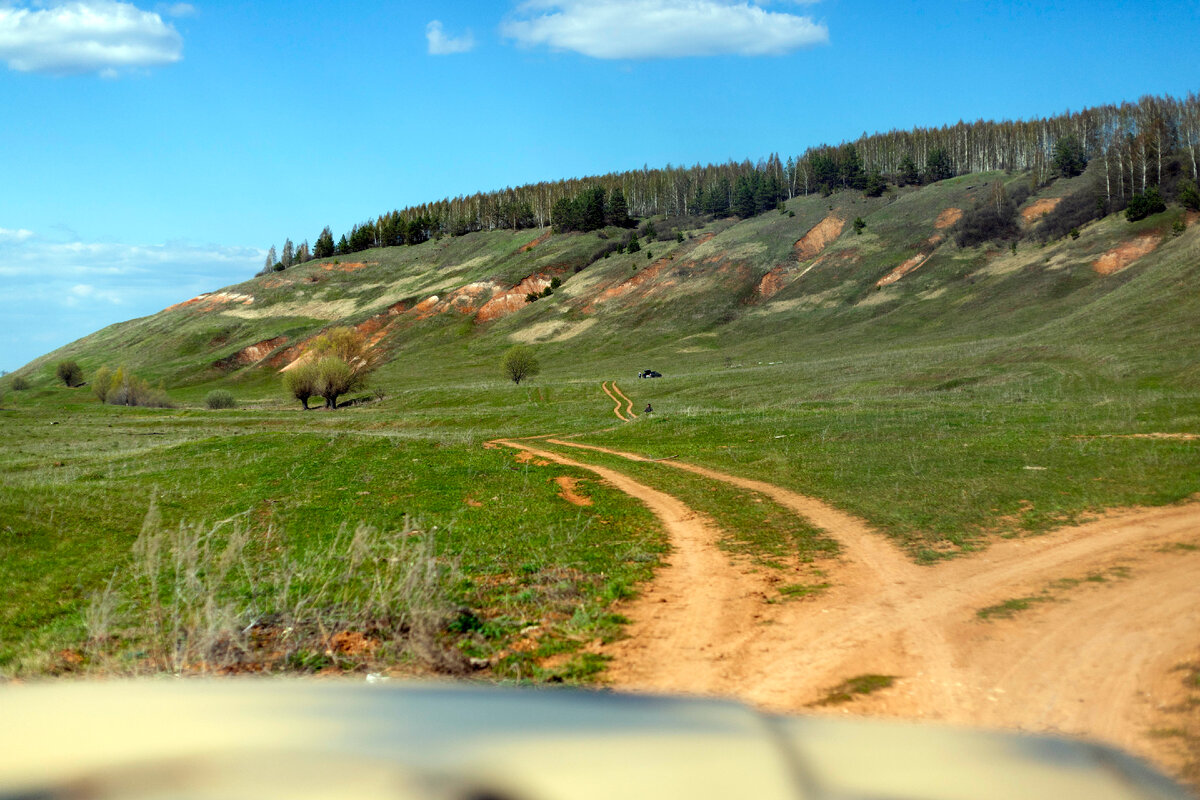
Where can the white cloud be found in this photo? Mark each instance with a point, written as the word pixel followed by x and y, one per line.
pixel 442 45
pixel 176 9
pixel 55 290
pixel 100 36
pixel 661 28
pixel 85 291
pixel 18 235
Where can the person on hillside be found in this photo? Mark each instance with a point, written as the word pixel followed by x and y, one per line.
pixel 648 410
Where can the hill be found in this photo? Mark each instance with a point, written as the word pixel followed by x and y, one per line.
pixel 729 289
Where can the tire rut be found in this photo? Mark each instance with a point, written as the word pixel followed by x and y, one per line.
pixel 1087 664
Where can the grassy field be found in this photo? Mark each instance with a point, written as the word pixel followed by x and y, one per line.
pixel 988 393
pixel 79 480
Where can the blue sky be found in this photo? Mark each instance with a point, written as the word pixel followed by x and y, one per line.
pixel 153 151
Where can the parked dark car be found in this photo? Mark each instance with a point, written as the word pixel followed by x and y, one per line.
pixel 649 373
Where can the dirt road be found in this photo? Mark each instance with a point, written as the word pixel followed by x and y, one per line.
pixel 1098 658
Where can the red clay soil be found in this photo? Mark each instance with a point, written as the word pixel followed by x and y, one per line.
pixel 1039 208
pixel 568 491
pixel 819 237
pixel 252 354
pixel 947 218
pixel 470 298
pixel 212 301
pixel 525 248
pixel 1123 255
pixel 505 303
pixel 909 265
pixel 771 283
pixel 1100 661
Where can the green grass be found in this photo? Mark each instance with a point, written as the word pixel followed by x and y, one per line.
pixel 851 688
pixel 74 495
pixel 1009 608
pixel 1051 593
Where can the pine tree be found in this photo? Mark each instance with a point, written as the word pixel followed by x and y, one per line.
pixel 745 204
pixel 618 209
pixel 1069 159
pixel 938 166
pixel 324 245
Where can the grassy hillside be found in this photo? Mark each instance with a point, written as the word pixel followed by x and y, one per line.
pixel 946 395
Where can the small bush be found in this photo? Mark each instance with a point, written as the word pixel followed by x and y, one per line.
pixel 101 382
pixel 859 225
pixel 69 372
pixel 19 383
pixel 1020 193
pixel 992 220
pixel 1189 195
pixel 301 382
pixel 127 389
pixel 1143 205
pixel 1072 213
pixel 220 398
pixel 520 363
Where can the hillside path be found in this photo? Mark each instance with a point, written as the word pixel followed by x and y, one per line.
pixel 1098 660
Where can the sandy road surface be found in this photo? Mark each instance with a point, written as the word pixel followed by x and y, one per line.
pixel 1097 661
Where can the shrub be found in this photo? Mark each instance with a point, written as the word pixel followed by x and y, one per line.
pixel 126 389
pixel 520 363
pixel 101 382
pixel 1189 196
pixel 69 372
pixel 876 185
pixel 993 219
pixel 859 225
pixel 1072 213
pixel 334 378
pixel 301 382
pixel 1019 193
pixel 220 398
pixel 19 383
pixel 342 361
pixel 1143 205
